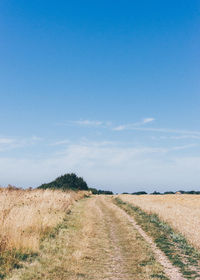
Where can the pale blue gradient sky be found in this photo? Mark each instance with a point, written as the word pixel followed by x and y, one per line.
pixel 106 89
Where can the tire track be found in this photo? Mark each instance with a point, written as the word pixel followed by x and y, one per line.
pixel 171 271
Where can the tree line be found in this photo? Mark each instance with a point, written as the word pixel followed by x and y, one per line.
pixel 163 193
pixel 71 181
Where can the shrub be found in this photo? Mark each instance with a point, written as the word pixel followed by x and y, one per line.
pixel 67 181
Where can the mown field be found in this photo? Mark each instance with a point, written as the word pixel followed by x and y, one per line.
pixel 182 212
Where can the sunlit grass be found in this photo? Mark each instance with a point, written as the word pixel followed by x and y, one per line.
pixel 25 217
pixel 182 212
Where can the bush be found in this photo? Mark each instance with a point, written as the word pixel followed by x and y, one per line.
pixel 67 181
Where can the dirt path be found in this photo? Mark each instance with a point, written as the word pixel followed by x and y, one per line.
pixel 171 271
pixel 99 242
pixel 110 211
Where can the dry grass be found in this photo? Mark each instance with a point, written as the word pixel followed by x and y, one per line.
pixel 182 212
pixel 95 242
pixel 25 215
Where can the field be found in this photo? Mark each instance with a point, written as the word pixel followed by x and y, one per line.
pixel 182 212
pixel 96 242
pixel 80 236
pixel 25 215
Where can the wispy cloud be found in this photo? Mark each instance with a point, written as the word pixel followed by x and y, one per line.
pixel 135 125
pixel 167 130
pixel 87 123
pixel 182 147
pixel 59 143
pixel 22 142
pixel 6 141
pixel 181 134
pixel 180 137
pixel 148 120
pixel 7 144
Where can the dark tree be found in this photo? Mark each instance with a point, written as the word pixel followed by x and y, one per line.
pixel 96 191
pixel 169 192
pixel 139 193
pixel 155 193
pixel 67 181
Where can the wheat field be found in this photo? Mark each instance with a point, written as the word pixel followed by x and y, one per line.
pixel 182 212
pixel 25 215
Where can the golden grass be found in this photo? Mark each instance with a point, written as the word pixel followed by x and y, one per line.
pixel 182 212
pixel 95 242
pixel 25 215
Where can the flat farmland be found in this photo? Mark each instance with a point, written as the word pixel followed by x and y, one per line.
pixel 56 235
pixel 182 212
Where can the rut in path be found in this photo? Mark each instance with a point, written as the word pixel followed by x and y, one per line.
pixel 120 258
pixel 171 271
pixel 118 251
pixel 112 253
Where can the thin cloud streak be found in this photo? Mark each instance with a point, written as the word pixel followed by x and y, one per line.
pixel 7 144
pixel 137 126
pixel 85 123
pixel 180 137
pixel 148 120
pixel 6 140
pixel 162 130
pixel 94 123
pixel 59 143
pixel 133 125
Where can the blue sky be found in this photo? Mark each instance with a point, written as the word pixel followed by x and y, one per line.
pixel 106 89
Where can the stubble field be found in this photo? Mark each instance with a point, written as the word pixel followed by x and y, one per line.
pixel 182 212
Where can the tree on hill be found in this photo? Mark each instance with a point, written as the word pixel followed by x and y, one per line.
pixel 67 181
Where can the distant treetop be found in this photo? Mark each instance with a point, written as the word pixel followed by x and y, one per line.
pixel 139 193
pixel 67 181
